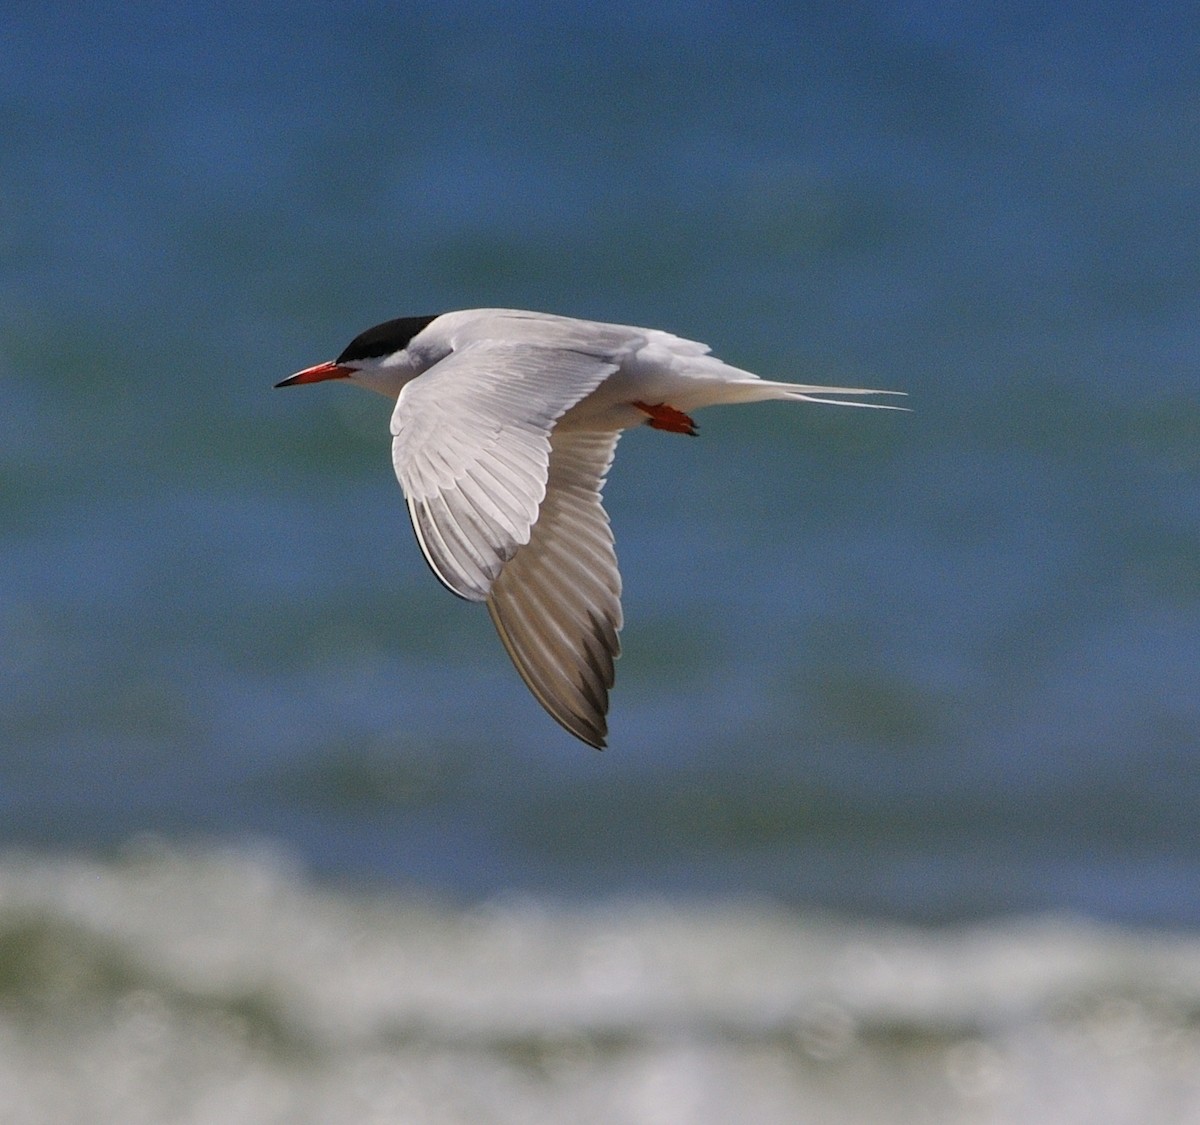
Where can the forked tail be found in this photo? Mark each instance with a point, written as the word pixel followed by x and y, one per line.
pixel 762 390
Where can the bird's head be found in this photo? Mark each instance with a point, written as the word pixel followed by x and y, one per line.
pixel 377 359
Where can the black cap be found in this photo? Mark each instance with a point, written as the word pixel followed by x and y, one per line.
pixel 384 339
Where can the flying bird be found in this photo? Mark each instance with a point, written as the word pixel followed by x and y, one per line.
pixel 503 433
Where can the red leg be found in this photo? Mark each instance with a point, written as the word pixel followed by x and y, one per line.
pixel 664 417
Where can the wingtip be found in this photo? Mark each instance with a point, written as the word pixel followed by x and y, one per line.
pixel 593 733
pixel 589 726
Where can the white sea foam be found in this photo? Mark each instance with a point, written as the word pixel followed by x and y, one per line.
pixel 220 986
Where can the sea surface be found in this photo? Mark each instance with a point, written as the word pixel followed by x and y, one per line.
pixel 925 682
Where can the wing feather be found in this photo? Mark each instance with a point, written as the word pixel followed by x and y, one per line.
pixel 471 448
pixel 557 602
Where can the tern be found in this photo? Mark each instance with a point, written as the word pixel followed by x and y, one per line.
pixel 503 433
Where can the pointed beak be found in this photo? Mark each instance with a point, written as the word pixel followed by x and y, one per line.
pixel 321 371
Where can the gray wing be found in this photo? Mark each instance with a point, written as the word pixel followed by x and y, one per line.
pixel 471 449
pixel 557 602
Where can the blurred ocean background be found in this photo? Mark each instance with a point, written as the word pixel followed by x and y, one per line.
pixel 899 816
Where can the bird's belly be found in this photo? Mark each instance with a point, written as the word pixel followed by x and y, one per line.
pixel 610 406
pixel 607 417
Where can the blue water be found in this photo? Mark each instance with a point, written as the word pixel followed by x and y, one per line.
pixel 932 666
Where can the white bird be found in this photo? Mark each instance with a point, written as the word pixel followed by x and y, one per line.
pixel 503 433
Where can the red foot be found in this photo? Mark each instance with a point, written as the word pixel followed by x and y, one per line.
pixel 664 417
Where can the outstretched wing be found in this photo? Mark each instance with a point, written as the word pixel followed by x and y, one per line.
pixel 471 448
pixel 557 601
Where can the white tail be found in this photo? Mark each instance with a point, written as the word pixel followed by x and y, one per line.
pixel 753 389
pixel 814 394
